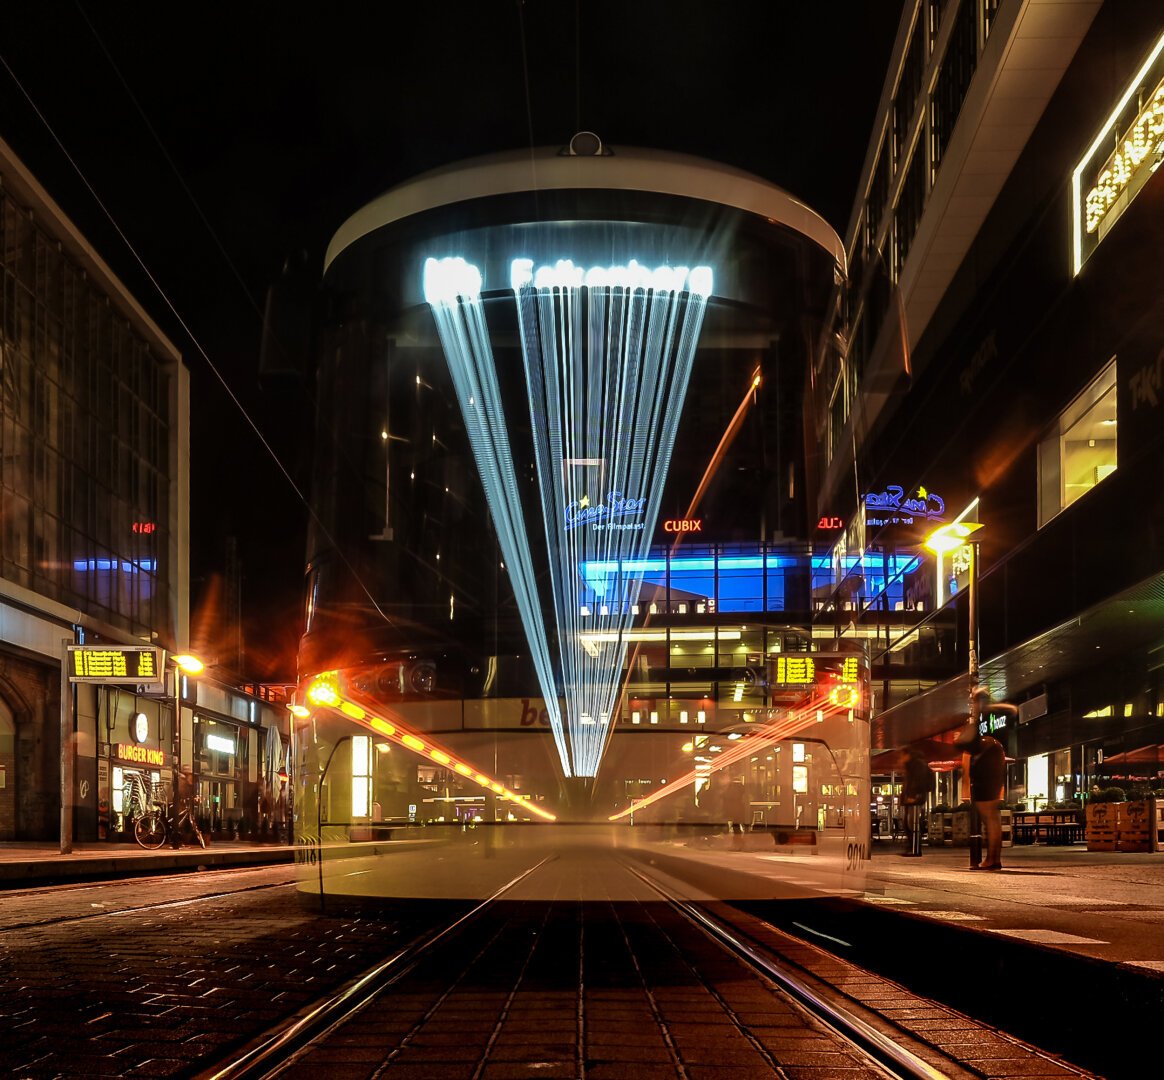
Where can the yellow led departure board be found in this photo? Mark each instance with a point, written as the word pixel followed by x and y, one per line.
pixel 116 664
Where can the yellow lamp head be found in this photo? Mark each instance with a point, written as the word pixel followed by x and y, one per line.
pixel 951 536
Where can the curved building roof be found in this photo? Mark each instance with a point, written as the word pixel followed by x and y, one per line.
pixel 629 169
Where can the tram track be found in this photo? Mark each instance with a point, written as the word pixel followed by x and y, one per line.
pixel 127 909
pixel 665 970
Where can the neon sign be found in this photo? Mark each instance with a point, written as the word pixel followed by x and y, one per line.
pixel 831 523
pixel 683 525
pixel 893 507
pixel 583 512
pixel 143 755
pixel 565 275
pixel 1141 140
pixel 1139 116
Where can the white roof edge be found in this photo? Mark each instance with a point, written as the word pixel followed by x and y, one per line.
pixel 25 187
pixel 627 169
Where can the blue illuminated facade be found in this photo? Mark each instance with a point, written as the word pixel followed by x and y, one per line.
pixel 729 578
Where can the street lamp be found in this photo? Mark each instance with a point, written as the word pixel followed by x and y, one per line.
pixel 184 663
pixel 945 539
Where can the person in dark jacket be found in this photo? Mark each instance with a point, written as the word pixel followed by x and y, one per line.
pixel 987 779
pixel 915 793
pixel 735 805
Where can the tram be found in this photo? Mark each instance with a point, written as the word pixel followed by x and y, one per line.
pixel 561 590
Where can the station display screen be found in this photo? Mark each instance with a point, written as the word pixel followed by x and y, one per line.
pixel 140 664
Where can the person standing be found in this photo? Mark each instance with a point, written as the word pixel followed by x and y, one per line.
pixel 987 779
pixel 915 794
pixel 735 807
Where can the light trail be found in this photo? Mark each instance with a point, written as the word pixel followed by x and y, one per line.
pixel 452 288
pixel 759 738
pixel 325 691
pixel 608 355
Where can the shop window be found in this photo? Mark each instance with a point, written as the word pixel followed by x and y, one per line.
pixel 1080 450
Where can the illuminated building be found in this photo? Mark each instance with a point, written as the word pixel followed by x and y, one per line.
pixel 560 481
pixel 999 340
pixel 94 537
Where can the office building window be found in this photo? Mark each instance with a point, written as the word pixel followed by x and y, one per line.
pixel 957 69
pixel 1080 450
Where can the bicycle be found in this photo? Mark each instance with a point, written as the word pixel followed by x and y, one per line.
pixel 153 828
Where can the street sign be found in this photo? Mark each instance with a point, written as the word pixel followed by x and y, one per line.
pixel 141 664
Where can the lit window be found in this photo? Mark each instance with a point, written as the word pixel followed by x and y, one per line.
pixel 361 776
pixel 1080 450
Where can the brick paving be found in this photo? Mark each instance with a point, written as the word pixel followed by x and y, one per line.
pixel 157 991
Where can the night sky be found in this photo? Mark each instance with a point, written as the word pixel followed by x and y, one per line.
pixel 224 138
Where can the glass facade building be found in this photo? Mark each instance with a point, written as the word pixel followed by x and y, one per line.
pixel 90 462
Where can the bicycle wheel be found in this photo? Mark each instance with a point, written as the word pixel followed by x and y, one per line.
pixel 149 830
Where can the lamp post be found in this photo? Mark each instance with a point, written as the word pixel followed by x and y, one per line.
pixel 942 540
pixel 184 663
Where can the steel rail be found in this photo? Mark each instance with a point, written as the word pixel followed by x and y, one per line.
pixel 874 1044
pixel 279 1048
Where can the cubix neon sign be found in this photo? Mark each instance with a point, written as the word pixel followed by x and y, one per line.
pixel 683 525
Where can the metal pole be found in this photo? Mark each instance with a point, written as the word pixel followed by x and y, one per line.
pixel 67 765
pixel 175 763
pixel 972 604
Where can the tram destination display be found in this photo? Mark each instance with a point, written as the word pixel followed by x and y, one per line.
pixel 141 664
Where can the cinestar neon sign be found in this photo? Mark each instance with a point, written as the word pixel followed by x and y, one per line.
pixel 599 515
pixel 893 506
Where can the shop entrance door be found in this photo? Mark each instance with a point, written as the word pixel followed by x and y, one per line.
pixel 219 804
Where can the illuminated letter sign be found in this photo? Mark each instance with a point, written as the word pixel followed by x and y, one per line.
pixel 602 515
pixel 683 525
pixel 142 755
pixel 141 664
pixel 893 507
pixel 1102 189
pixel 830 523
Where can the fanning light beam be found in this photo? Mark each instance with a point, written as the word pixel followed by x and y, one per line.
pixel 608 354
pixel 452 288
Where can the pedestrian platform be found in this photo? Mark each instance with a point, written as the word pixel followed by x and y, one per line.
pixel 1107 906
pixel 40 863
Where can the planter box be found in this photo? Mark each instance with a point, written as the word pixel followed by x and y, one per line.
pixel 961 829
pixel 1135 830
pixel 1102 826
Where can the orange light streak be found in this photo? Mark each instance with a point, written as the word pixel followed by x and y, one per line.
pixel 324 690
pixel 759 738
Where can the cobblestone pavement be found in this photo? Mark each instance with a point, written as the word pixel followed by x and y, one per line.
pixel 152 976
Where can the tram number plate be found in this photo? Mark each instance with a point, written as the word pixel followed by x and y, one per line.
pixel 306 850
pixel 858 855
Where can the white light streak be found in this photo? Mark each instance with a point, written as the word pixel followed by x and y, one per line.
pixel 452 288
pixel 608 354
